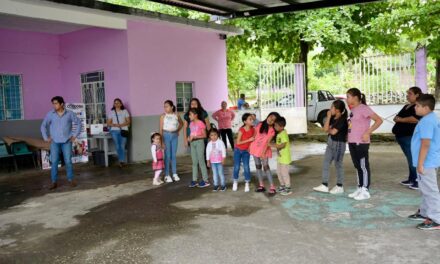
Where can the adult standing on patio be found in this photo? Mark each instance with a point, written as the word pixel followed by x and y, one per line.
pixel 241 101
pixel 118 121
pixel 406 121
pixel 224 117
pixel 60 123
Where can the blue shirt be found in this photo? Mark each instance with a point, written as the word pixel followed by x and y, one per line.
pixel 240 103
pixel 427 128
pixel 61 127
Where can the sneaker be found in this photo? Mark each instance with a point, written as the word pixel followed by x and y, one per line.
pixel 337 190
pixel 364 194
pixel 168 179
pixel 204 184
pixel 156 182
pixel 417 216
pixel 176 178
pixel 281 188
pixel 160 180
pixel 355 193
pixel 216 188
pixel 429 225
pixel 193 184
pixel 272 191
pixel 286 191
pixel 321 188
pixel 223 188
pixel 235 186
pixel 246 187
pixel 260 189
pixel 414 186
pixel 406 183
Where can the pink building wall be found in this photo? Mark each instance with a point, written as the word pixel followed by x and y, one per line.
pixel 160 55
pixel 36 57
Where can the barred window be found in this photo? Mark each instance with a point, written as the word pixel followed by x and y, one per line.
pixel 93 95
pixel 184 93
pixel 11 97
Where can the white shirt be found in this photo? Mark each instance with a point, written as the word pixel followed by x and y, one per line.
pixel 216 151
pixel 122 115
pixel 170 122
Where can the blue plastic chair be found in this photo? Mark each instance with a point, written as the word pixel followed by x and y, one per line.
pixel 5 155
pixel 20 149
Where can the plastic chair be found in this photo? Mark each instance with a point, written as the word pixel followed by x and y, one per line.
pixel 20 149
pixel 4 154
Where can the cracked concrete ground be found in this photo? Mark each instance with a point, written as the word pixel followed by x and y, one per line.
pixel 117 216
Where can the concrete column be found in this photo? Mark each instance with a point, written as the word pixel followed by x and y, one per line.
pixel 421 72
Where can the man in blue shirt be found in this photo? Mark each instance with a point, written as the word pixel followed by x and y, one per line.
pixel 241 101
pixel 60 123
pixel 425 151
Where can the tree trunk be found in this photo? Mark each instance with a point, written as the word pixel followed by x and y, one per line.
pixel 437 79
pixel 303 57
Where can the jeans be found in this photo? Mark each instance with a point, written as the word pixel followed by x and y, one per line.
pixel 334 152
pixel 405 145
pixel 170 139
pixel 55 149
pixel 242 156
pixel 120 142
pixel 198 159
pixel 217 171
pixel 227 132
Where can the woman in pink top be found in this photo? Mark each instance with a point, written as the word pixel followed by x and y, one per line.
pixel 261 151
pixel 359 132
pixel 224 117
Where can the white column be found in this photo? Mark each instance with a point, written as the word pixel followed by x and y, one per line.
pixel 421 73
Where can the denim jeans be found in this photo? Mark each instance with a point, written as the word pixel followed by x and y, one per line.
pixel 120 142
pixel 242 156
pixel 55 149
pixel 405 145
pixel 217 171
pixel 170 140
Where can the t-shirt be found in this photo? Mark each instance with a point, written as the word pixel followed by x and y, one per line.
pixel 284 155
pixel 341 125
pixel 259 145
pixel 197 128
pixel 224 118
pixel 202 118
pixel 244 136
pixel 405 129
pixel 240 103
pixel 427 128
pixel 215 151
pixel 170 122
pixel 122 115
pixel 358 123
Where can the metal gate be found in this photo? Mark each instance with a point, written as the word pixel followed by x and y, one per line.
pixel 281 89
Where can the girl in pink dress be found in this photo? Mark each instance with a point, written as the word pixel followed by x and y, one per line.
pixel 157 154
pixel 261 151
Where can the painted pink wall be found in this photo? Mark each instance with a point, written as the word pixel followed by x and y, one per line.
pixel 35 56
pixel 160 55
pixel 91 50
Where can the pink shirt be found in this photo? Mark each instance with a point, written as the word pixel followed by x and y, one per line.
pixel 197 128
pixel 224 118
pixel 358 123
pixel 260 143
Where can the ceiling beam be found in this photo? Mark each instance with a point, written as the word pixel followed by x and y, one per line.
pixel 198 6
pixel 297 7
pixel 248 3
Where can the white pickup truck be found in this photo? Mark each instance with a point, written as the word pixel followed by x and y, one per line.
pixel 318 103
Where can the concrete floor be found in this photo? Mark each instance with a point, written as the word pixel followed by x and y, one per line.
pixel 117 216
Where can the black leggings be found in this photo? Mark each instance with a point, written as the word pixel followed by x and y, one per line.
pixel 227 132
pixel 359 156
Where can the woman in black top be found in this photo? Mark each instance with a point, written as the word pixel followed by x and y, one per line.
pixel 405 123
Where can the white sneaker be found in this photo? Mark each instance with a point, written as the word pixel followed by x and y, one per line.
pixel 321 188
pixel 156 182
pixel 363 195
pixel 355 193
pixel 168 179
pixel 246 187
pixel 235 186
pixel 176 177
pixel 337 190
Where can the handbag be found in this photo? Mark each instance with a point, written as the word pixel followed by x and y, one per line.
pixel 124 133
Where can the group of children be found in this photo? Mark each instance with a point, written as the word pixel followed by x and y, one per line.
pixel 354 128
